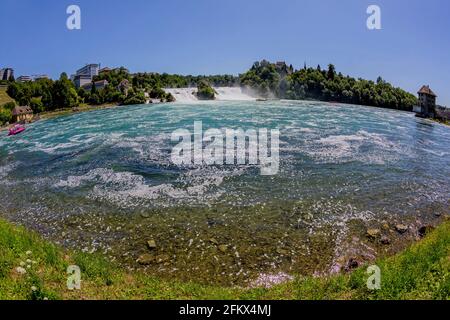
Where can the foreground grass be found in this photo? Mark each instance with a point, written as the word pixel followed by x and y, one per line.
pixel 420 272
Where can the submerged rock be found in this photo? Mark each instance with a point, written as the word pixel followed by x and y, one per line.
pixel 162 258
pixel 282 251
pixel 401 228
pixel 385 240
pixel 373 233
pixel 351 264
pixel 151 244
pixel 424 230
pixel 146 259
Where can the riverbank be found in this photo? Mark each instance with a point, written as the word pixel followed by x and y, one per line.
pixel 32 268
pixel 69 111
pixel 81 108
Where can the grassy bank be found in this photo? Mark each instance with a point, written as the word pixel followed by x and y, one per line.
pixel 32 268
pixel 81 108
pixel 4 97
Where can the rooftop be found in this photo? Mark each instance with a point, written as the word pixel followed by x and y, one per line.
pixel 426 90
pixel 21 110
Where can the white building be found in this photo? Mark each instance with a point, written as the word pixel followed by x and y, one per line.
pixel 85 75
pixel 89 70
pixel 24 79
pixel 6 73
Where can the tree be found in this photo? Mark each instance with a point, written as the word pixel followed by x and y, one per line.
pixel 36 105
pixel 331 72
pixel 328 85
pixel 9 106
pixel 64 94
pixel 5 116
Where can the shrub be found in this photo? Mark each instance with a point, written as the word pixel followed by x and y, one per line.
pixel 37 105
pixel 5 116
pixel 9 106
pixel 205 91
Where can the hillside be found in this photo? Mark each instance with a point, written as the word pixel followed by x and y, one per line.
pixel 4 98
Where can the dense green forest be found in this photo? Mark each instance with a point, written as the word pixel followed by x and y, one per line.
pixel 280 81
pixel 266 79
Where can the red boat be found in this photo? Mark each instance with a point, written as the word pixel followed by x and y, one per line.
pixel 18 128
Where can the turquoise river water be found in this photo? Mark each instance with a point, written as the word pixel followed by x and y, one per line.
pixel 103 181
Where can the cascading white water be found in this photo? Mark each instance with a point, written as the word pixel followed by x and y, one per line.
pixel 232 94
pixel 183 94
pixel 187 95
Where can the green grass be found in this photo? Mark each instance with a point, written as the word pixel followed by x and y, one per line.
pixel 420 272
pixel 4 97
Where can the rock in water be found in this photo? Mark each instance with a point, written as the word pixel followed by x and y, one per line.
pixel 424 230
pixel 162 258
pixel 385 240
pixel 373 233
pixel 151 244
pixel 146 259
pixel 401 228
pixel 351 264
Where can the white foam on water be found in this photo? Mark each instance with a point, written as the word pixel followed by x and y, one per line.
pixel 188 95
pixel 128 190
pixel 232 94
pixel 5 170
pixel 184 95
pixel 346 148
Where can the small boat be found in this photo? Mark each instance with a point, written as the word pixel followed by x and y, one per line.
pixel 18 128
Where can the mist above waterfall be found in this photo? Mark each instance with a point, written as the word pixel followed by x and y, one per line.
pixel 187 95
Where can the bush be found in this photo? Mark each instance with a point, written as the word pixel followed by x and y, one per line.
pixel 205 91
pixel 135 98
pixel 5 116
pixel 170 97
pixel 37 105
pixel 9 106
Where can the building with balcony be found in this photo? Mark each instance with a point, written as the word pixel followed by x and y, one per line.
pixel 82 80
pixel 24 79
pixel 6 73
pixel 91 70
pixel 99 85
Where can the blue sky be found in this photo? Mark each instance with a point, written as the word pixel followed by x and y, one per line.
pixel 212 37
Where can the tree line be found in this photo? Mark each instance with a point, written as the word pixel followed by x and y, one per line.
pixel 269 80
pixel 280 81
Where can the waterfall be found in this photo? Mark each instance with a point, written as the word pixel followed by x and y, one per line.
pixel 183 94
pixel 187 95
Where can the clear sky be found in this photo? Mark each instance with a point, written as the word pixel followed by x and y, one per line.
pixel 212 37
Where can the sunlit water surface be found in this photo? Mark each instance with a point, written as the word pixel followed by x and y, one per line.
pixel 103 181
